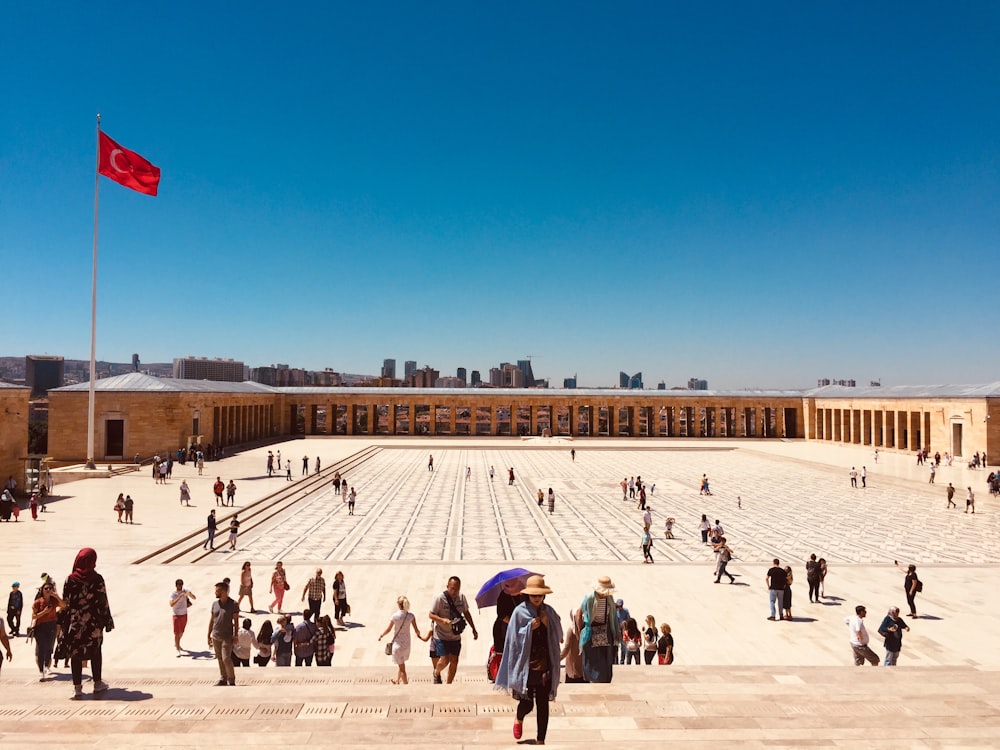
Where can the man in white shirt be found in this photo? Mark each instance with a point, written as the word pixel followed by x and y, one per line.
pixel 859 638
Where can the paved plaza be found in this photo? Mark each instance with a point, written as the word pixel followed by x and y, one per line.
pixel 413 528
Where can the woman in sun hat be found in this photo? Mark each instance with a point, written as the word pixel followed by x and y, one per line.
pixel 600 633
pixel 529 668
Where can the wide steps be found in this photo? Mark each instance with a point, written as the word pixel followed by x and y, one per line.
pixel 910 707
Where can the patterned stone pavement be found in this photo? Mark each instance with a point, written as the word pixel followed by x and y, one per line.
pixel 789 509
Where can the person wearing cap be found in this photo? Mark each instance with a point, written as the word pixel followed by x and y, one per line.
pixel 15 605
pixel 601 631
pixel 529 668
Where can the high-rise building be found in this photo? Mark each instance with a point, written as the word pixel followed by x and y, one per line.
pixel 135 363
pixel 476 379
pixel 630 381
pixel 203 368
pixel 388 368
pixel 409 367
pixel 511 376
pixel 41 373
pixel 569 382
pixel 424 378
pixel 696 384
pixel 527 374
pixel 460 373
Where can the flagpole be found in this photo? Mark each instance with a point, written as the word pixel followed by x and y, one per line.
pixel 93 311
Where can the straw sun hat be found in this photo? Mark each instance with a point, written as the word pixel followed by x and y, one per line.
pixel 604 586
pixel 536 586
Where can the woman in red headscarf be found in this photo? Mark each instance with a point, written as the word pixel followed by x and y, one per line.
pixel 88 616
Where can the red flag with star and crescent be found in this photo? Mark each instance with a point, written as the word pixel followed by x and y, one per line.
pixel 127 167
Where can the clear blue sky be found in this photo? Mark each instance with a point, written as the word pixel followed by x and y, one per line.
pixel 758 194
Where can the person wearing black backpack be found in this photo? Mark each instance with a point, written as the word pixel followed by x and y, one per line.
pixel 912 585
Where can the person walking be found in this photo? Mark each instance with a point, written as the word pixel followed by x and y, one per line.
pixel 529 668
pixel 218 488
pixel 571 648
pixel 303 639
pixel 859 638
pixel 234 531
pixel 510 476
pixel 288 470
pixel 223 627
pixel 450 613
pixel 399 647
pixel 430 462
pixel 5 643
pixel 281 642
pixel 649 640
pixel 340 606
pixel 318 464
pixel 912 585
pixel 231 493
pixel 970 500
pixel 813 578
pixel 185 493
pixel 120 506
pixel 891 629
pixel 180 600
pixel 279 585
pixel 725 556
pixel 787 596
pixel 665 646
pixel 315 591
pixel 246 586
pixel 15 605
pixel 244 645
pixel 600 631
pixel 88 617
pixel 129 507
pixel 210 527
pixel 44 616
pixel 776 580
pixel 647 545
pixel 263 656
pixel 324 642
pixel 703 527
pixel 552 501
pixel 352 497
pixel 950 493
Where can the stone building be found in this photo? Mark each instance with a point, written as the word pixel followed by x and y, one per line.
pixel 13 431
pixel 136 413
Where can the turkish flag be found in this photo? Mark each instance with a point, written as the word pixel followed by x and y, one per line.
pixel 127 167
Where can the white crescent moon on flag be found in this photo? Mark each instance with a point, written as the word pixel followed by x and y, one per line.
pixel 114 166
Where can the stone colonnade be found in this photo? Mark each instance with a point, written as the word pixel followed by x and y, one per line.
pixel 483 413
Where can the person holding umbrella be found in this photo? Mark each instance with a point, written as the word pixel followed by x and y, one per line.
pixel 529 668
pixel 503 591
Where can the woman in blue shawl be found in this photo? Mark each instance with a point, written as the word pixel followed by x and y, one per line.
pixel 600 633
pixel 529 668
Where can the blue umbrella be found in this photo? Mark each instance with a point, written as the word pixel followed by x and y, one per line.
pixel 489 592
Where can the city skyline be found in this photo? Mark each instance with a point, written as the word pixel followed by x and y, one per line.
pixel 755 196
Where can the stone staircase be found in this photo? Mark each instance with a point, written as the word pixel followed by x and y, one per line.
pixel 906 707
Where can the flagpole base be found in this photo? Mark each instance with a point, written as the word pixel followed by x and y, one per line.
pixel 90 464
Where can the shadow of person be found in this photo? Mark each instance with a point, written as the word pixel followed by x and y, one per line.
pixel 200 655
pixel 122 694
